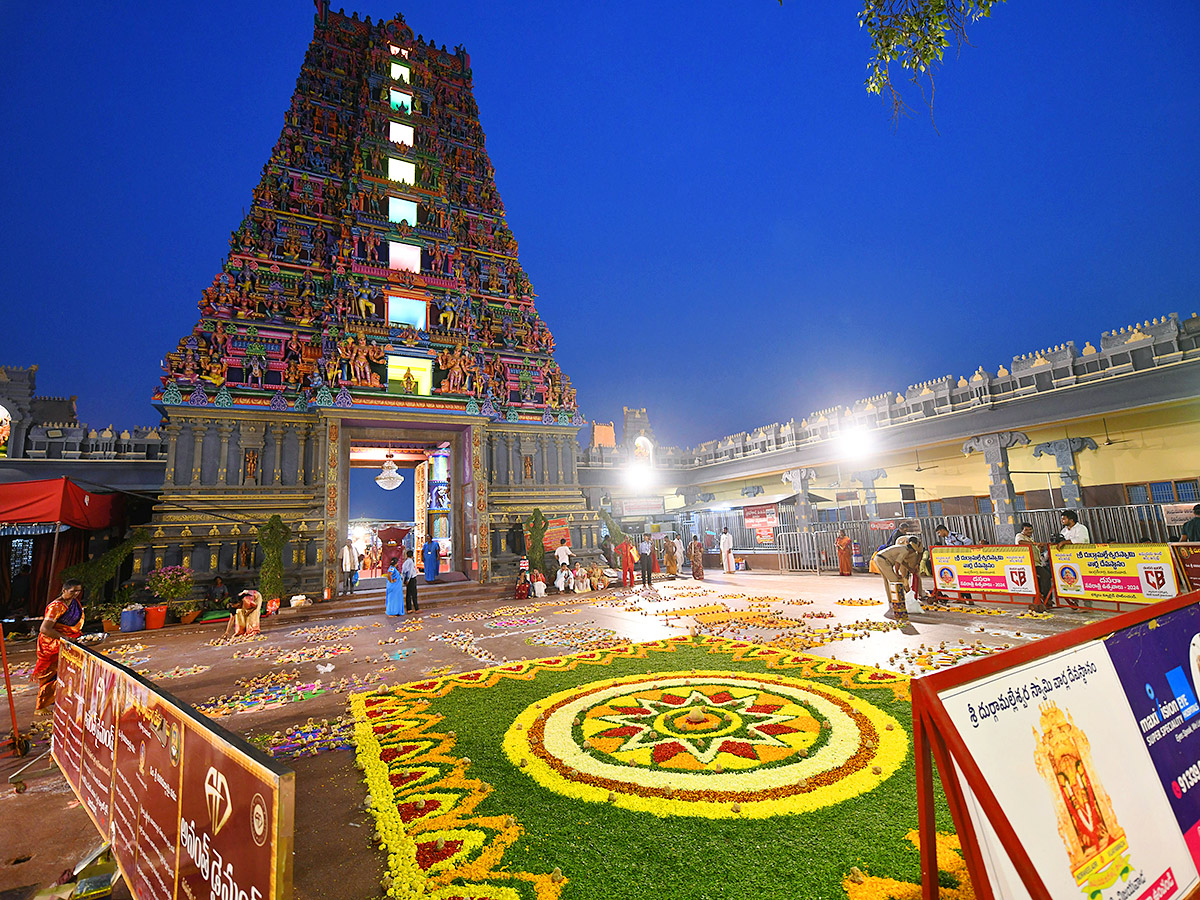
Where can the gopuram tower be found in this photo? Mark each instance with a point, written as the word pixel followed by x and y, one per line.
pixel 371 303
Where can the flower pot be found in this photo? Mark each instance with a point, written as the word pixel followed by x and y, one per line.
pixel 110 625
pixel 133 620
pixel 188 618
pixel 156 616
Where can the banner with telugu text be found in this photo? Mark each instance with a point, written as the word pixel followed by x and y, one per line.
pixel 191 811
pixel 1060 749
pixel 758 517
pixel 1123 573
pixel 995 570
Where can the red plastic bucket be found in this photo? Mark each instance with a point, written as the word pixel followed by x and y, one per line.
pixel 156 616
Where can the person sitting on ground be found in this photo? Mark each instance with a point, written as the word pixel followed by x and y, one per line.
pixel 897 564
pixel 245 618
pixel 596 577
pixel 218 594
pixel 521 591
pixel 538 581
pixel 564 580
pixel 583 583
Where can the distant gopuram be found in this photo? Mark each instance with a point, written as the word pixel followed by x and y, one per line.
pixel 371 307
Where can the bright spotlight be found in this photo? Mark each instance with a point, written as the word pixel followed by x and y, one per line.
pixel 639 478
pixel 855 443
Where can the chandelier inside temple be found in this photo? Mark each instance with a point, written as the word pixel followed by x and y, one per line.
pixel 388 478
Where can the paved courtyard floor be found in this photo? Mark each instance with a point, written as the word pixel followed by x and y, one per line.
pixel 308 660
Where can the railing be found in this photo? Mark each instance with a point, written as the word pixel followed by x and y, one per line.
pixel 1134 524
pixel 799 552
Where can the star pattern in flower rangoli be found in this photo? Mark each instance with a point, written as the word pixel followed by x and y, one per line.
pixel 745 728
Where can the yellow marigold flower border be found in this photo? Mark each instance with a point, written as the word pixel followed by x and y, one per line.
pixel 401 709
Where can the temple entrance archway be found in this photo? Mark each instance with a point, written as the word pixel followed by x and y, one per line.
pixel 440 458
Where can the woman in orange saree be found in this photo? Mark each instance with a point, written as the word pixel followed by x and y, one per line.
pixel 845 554
pixel 63 619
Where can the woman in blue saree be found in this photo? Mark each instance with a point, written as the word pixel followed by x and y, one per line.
pixel 394 605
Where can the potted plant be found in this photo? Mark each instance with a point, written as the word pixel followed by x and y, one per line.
pixel 188 610
pixel 110 614
pixel 170 584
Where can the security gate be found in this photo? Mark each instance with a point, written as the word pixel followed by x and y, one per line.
pixel 798 552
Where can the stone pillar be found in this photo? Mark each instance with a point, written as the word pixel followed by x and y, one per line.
pixel 868 478
pixel 225 431
pixel 277 430
pixel 301 445
pixel 1064 452
pixel 172 431
pixel 995 447
pixel 198 432
pixel 508 478
pixel 544 451
pixel 799 479
pixel 558 450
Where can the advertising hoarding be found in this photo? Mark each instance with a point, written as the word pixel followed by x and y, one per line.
pixel 1123 573
pixel 191 810
pixel 995 570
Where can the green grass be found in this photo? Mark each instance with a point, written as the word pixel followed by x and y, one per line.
pixel 607 852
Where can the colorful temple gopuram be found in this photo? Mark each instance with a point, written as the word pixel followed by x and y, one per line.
pixel 372 307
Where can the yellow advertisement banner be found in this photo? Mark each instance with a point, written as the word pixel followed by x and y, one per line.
pixel 1123 573
pixel 984 570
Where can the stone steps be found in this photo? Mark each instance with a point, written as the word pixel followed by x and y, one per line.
pixel 370 602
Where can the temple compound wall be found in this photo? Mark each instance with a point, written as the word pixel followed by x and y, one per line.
pixel 372 297
pixel 1060 427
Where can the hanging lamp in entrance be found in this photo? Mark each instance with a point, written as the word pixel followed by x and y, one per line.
pixel 388 478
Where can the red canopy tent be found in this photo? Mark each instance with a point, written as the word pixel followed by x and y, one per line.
pixel 55 502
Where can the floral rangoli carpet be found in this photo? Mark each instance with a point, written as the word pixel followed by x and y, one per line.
pixel 695 767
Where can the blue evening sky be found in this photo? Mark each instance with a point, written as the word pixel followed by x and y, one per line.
pixel 721 225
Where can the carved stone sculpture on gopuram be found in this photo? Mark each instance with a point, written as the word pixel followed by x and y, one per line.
pixel 373 276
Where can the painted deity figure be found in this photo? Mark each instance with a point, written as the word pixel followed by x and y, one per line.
pixel 408 383
pixel 1086 820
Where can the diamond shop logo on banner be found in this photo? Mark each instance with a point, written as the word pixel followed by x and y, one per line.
pixel 216 793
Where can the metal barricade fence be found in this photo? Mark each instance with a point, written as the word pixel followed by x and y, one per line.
pixel 816 551
pixel 798 551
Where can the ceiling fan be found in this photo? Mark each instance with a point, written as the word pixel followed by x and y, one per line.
pixel 919 467
pixel 1108 441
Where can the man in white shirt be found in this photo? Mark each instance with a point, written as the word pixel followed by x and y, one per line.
pixel 562 552
pixel 349 565
pixel 646 559
pixel 1073 531
pixel 408 577
pixel 679 551
pixel 726 550
pixel 564 580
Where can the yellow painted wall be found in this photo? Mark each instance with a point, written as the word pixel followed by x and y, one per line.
pixel 1147 445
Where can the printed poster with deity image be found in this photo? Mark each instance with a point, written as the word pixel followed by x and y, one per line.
pixel 1057 744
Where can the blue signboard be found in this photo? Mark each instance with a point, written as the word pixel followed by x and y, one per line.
pixel 1158 663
